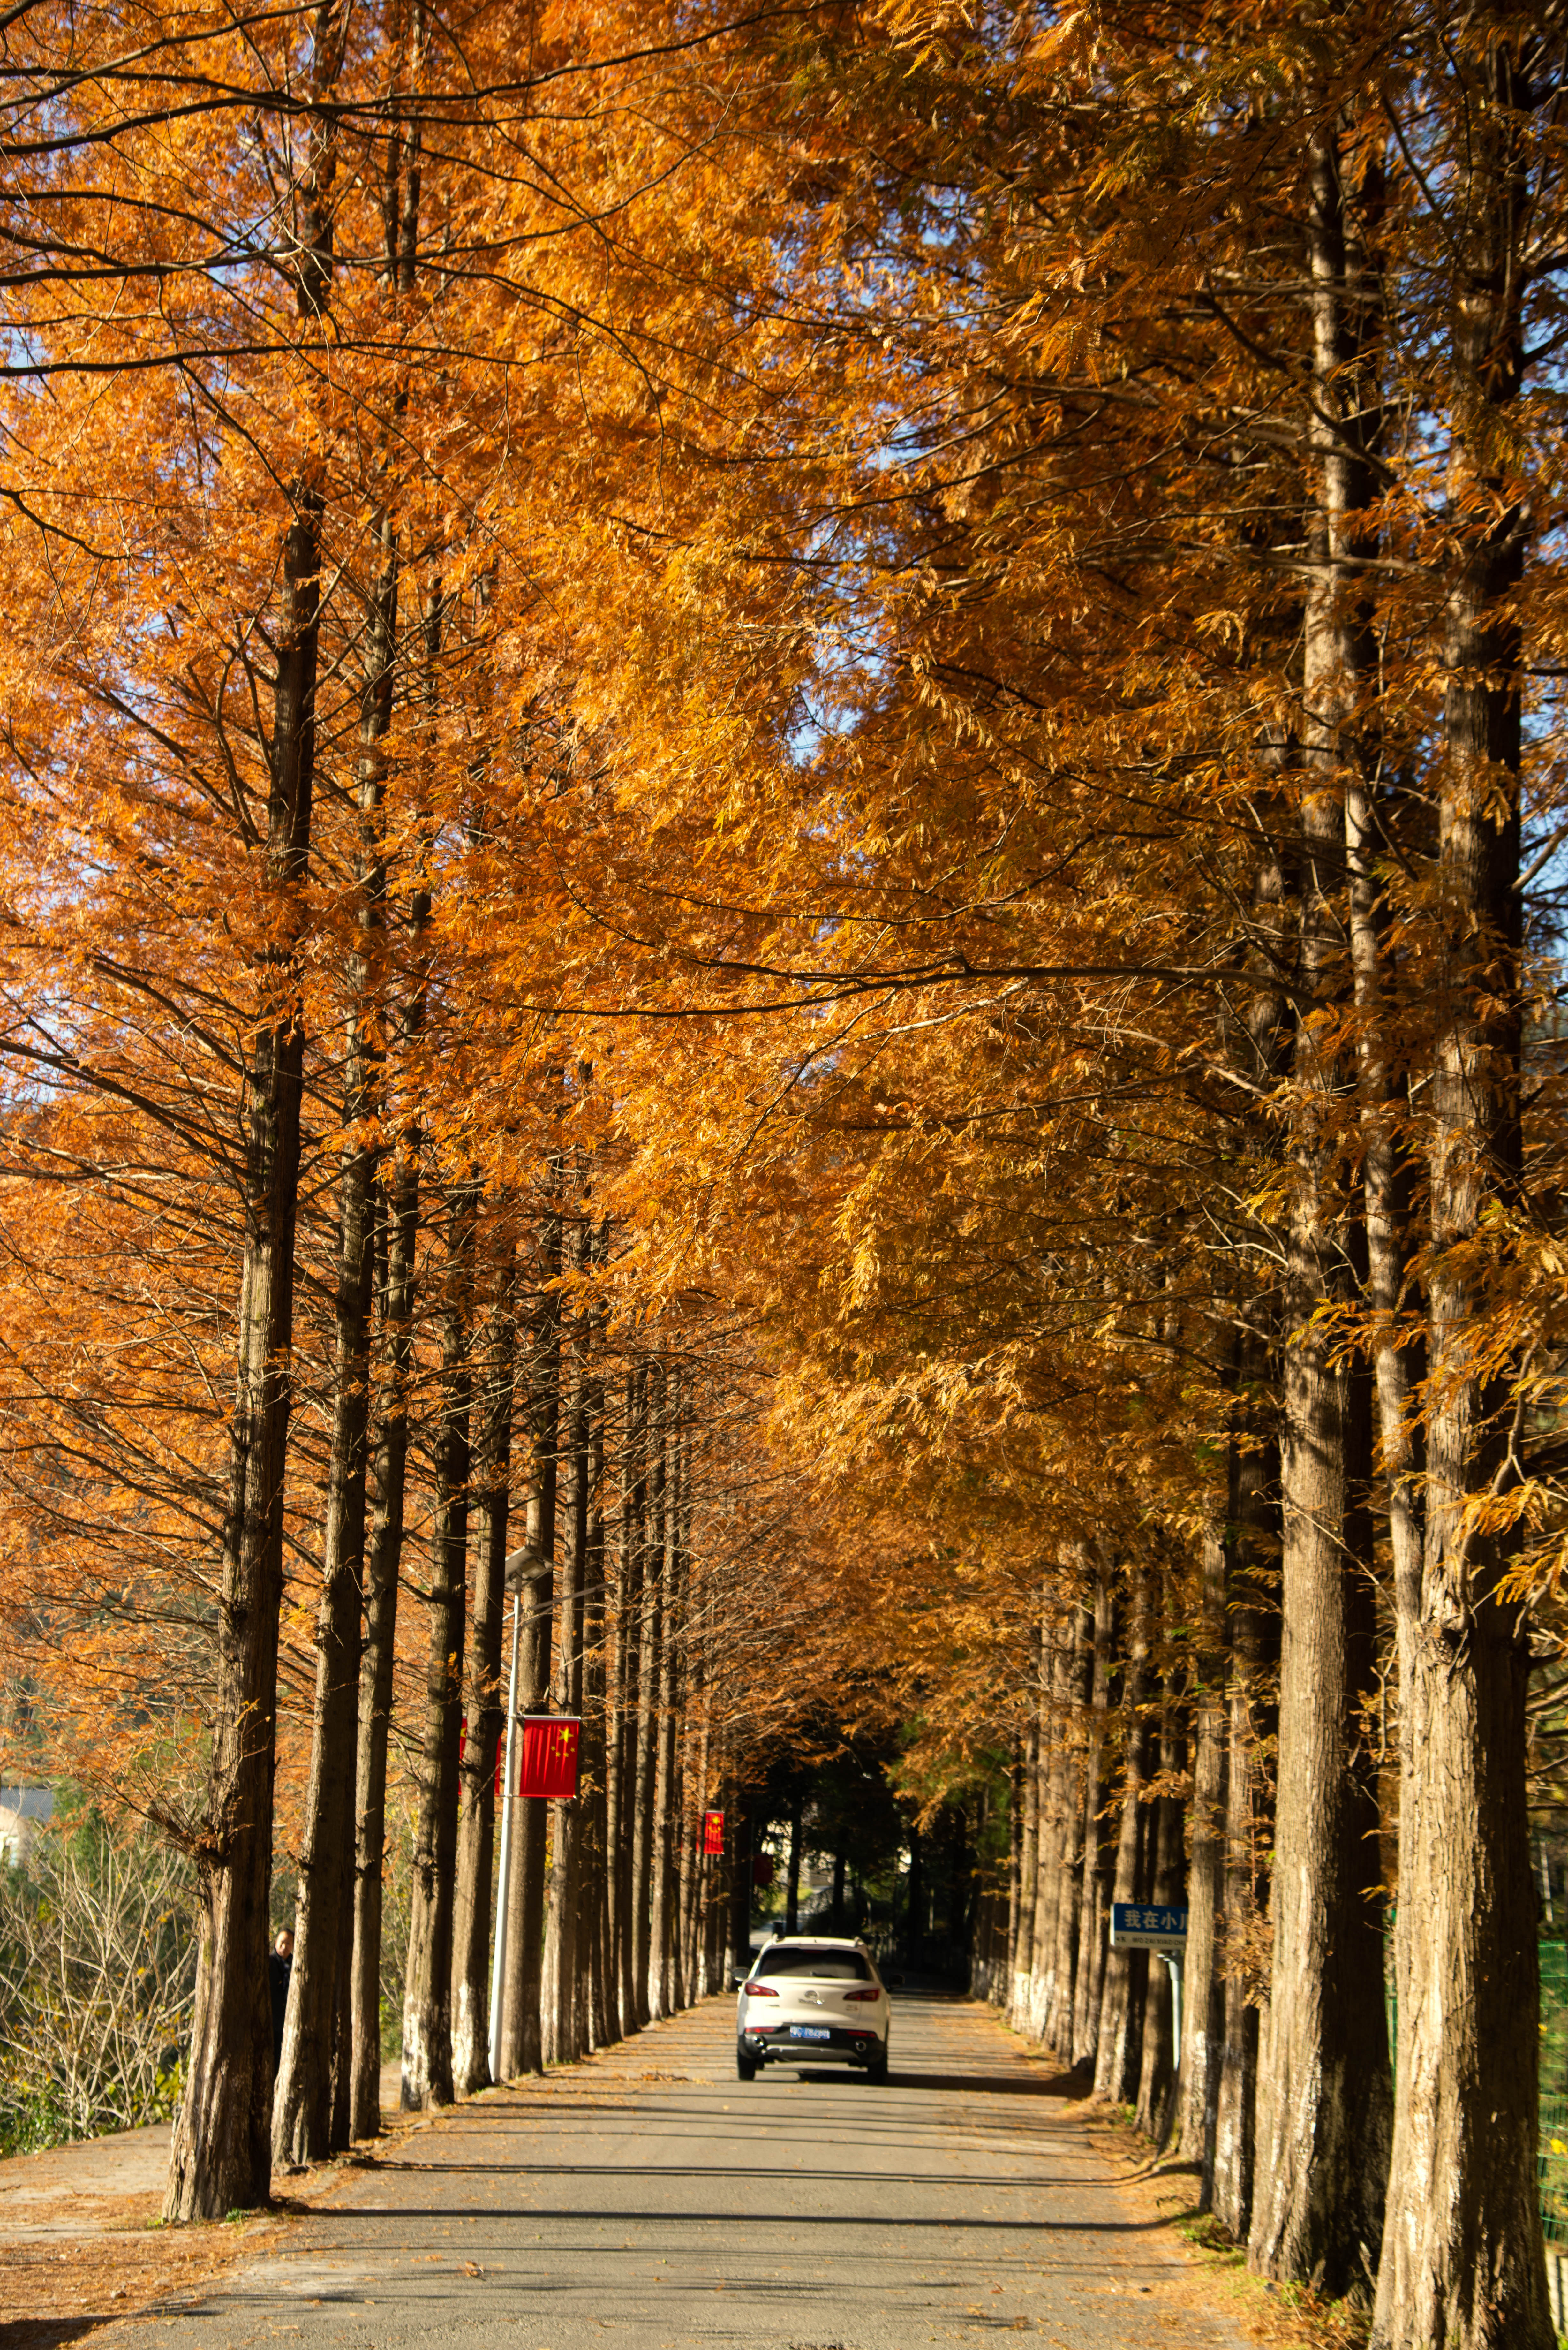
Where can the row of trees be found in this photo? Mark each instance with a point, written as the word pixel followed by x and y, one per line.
pixel 913 666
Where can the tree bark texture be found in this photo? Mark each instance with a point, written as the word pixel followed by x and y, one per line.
pixel 1249 1793
pixel 628 1655
pixel 1057 2028
pixel 389 1445
pixel 1325 2091
pixel 1203 2024
pixel 1094 1910
pixel 312 2100
pixel 650 1630
pixel 522 2036
pixel 1118 2051
pixel 301 2115
pixel 1462 2258
pixel 427 2079
pixel 1167 1886
pixel 1056 1775
pixel 1029 1853
pixel 221 2153
pixel 484 1707
pixel 559 2005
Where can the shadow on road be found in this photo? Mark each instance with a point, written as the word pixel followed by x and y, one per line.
pixel 787 2215
pixel 1070 2086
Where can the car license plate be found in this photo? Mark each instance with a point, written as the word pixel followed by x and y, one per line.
pixel 810 2032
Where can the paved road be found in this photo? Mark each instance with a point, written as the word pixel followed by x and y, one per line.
pixel 648 2200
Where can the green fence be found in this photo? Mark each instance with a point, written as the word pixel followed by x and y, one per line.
pixel 1551 2160
pixel 1554 2155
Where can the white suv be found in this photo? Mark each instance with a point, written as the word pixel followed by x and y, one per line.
pixel 811 1999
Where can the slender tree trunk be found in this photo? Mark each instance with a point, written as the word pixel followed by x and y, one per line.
pixel 1203 2004
pixel 521 2038
pixel 616 1971
pixel 303 2099
pixel 1054 1773
pixel 603 2023
pixel 1002 1990
pixel 222 2156
pixel 648 1688
pixel 427 2076
pixel 1463 2262
pixel 562 2045
pixel 1029 1855
pixel 740 1885
pixel 1117 2053
pixel 1058 2022
pixel 676 1651
pixel 311 2102
pixel 1249 1809
pixel 663 1990
pixel 483 1705
pixel 1094 1917
pixel 628 1658
pixel 792 1882
pixel 388 1449
pixel 699 1734
pixel 1157 2077
pixel 1324 2092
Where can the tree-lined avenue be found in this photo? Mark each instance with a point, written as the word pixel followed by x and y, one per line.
pixel 649 2198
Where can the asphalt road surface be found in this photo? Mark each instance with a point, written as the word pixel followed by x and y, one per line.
pixel 648 2200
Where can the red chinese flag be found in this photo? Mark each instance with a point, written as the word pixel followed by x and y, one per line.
pixel 549 1764
pixel 713 1832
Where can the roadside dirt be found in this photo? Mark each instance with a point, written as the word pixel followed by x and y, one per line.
pixel 81 2240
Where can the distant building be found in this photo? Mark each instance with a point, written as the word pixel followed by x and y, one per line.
pixel 21 1809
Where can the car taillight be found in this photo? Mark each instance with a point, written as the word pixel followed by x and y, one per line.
pixel 759 1991
pixel 850 1997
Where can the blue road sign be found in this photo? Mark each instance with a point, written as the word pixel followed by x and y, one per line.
pixel 1146 1926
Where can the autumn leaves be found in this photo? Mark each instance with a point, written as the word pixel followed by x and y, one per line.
pixel 891 675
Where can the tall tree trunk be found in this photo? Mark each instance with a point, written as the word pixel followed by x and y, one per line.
pixel 559 2005
pixel 312 2104
pixel 628 1660
pixel 522 2036
pixel 222 2155
pixel 1094 1915
pixel 1248 1804
pixel 397 1233
pixel 740 1884
pixel 663 1994
pixel 1463 2260
pixel 1117 2052
pixel 302 2114
pixel 792 1881
pixel 1029 1855
pixel 427 2076
pixel 603 2023
pixel 1203 2002
pixel 1058 2021
pixel 1156 2075
pixel 1055 1764
pixel 483 1706
pixel 388 1451
pixel 1325 2091
pixel 644 1784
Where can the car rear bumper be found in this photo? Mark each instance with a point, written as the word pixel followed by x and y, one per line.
pixel 841 2046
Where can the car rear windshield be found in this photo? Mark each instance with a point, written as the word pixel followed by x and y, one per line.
pixel 833 1965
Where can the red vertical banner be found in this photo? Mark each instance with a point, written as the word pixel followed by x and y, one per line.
pixel 549 1764
pixel 713 1832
